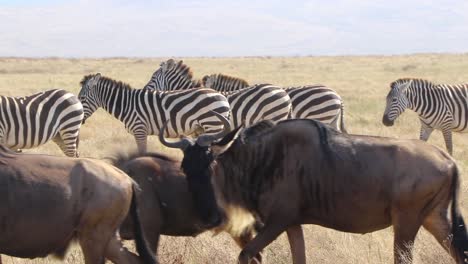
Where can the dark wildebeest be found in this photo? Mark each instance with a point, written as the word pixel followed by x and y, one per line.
pixel 165 203
pixel 304 172
pixel 48 201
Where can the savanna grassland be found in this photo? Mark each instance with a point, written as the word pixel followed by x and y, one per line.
pixel 363 83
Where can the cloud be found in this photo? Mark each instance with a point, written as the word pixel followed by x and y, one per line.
pixel 231 28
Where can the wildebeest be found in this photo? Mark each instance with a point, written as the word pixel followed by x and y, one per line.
pixel 304 172
pixel 165 203
pixel 46 202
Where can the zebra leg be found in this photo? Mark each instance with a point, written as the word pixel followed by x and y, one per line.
pixel 448 140
pixel 426 131
pixel 68 143
pixel 58 140
pixel 141 141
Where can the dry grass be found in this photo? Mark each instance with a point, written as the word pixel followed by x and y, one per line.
pixel 361 81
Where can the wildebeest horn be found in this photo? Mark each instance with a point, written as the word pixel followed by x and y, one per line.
pixel 205 140
pixel 181 144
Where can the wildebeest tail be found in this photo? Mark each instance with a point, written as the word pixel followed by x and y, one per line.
pixel 342 126
pixel 142 247
pixel 459 232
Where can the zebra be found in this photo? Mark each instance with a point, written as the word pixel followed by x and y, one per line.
pixel 144 112
pixel 310 102
pixel 180 77
pixel 248 105
pixel 30 121
pixel 439 106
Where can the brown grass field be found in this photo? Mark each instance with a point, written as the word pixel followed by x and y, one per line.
pixel 363 82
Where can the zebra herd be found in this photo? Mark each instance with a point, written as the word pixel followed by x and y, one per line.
pixel 190 106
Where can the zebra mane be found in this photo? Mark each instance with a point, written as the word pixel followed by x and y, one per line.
pixel 225 78
pixel 86 78
pixel 105 79
pixel 180 67
pixel 425 83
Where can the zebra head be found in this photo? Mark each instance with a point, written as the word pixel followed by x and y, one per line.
pixel 160 80
pixel 397 101
pixel 156 82
pixel 87 94
pixel 208 80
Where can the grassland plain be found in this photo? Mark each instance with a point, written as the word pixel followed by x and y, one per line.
pixel 362 81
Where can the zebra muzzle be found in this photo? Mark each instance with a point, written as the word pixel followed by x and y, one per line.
pixel 386 121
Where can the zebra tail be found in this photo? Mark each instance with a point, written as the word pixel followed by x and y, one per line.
pixel 342 126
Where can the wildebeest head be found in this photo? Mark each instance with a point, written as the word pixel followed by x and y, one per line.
pixel 87 94
pixel 198 156
pixel 397 101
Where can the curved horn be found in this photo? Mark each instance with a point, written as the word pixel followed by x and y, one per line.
pixel 205 140
pixel 181 144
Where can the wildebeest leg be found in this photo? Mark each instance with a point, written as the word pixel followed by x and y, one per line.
pixel 119 254
pixel 245 238
pixel 438 224
pixel 297 244
pixel 268 233
pixel 405 226
pixel 93 244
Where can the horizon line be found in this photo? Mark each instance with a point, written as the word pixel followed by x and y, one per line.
pixel 231 57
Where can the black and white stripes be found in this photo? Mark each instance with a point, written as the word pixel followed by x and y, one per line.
pixel 439 106
pixel 224 83
pixel 248 105
pixel 317 102
pixel 259 102
pixel 27 122
pixel 144 112
pixel 310 102
pixel 172 75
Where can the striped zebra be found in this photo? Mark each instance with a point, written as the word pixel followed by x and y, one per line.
pixel 144 112
pixel 172 74
pixel 439 106
pixel 310 102
pixel 248 105
pixel 30 121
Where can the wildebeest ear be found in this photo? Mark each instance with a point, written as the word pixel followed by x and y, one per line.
pixel 221 146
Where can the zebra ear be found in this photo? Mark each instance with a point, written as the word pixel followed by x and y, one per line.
pixel 94 80
pixel 405 86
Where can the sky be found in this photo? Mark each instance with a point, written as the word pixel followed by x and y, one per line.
pixel 218 28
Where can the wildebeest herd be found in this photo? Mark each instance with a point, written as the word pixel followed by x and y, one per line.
pixel 258 160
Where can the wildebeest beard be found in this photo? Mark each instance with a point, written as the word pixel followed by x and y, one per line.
pixel 196 165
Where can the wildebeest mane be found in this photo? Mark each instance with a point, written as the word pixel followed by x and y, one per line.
pixel 250 169
pixel 121 157
pixel 256 130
